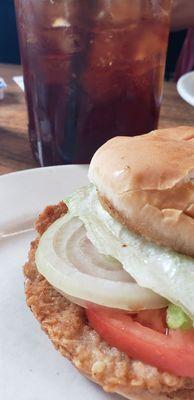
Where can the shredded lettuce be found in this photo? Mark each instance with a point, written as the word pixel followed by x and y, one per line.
pixel 177 319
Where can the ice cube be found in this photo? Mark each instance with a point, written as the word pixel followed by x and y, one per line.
pixel 123 11
pixel 150 40
pixel 61 23
pixel 102 76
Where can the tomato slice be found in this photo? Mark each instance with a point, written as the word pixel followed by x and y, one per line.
pixel 172 352
pixel 154 319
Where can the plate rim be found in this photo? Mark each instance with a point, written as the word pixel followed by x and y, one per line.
pixel 181 91
pixel 41 169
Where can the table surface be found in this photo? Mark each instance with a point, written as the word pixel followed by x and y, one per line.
pixel 15 152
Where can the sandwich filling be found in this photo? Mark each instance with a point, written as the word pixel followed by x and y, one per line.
pixel 99 264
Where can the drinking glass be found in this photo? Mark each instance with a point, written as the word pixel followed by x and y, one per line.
pixel 93 69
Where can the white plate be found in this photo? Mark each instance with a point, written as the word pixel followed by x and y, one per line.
pixel 185 87
pixel 30 368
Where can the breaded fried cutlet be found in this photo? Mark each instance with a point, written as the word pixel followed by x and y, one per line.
pixel 66 325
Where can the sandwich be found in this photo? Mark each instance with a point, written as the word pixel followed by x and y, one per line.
pixel 110 276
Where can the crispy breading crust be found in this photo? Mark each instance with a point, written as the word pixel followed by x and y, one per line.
pixel 66 325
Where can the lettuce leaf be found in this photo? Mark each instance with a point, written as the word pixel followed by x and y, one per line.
pixel 164 271
pixel 177 319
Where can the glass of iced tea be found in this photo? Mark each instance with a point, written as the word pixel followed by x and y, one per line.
pixel 93 69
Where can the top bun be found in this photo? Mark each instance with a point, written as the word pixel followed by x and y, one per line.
pixel 147 183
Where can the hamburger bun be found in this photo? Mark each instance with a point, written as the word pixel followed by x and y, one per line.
pixel 147 183
pixel 66 325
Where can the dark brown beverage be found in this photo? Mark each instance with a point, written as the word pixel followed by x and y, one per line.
pixel 93 69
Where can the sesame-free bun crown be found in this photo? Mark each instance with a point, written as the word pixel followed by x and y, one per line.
pixel 147 182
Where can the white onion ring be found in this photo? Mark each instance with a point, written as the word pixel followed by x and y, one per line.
pixel 71 263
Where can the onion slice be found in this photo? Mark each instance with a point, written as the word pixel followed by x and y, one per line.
pixel 71 263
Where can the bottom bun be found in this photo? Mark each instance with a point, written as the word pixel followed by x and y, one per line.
pixel 66 325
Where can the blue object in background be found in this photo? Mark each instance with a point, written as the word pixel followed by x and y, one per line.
pixel 9 49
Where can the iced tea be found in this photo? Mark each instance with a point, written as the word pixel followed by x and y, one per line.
pixel 93 69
